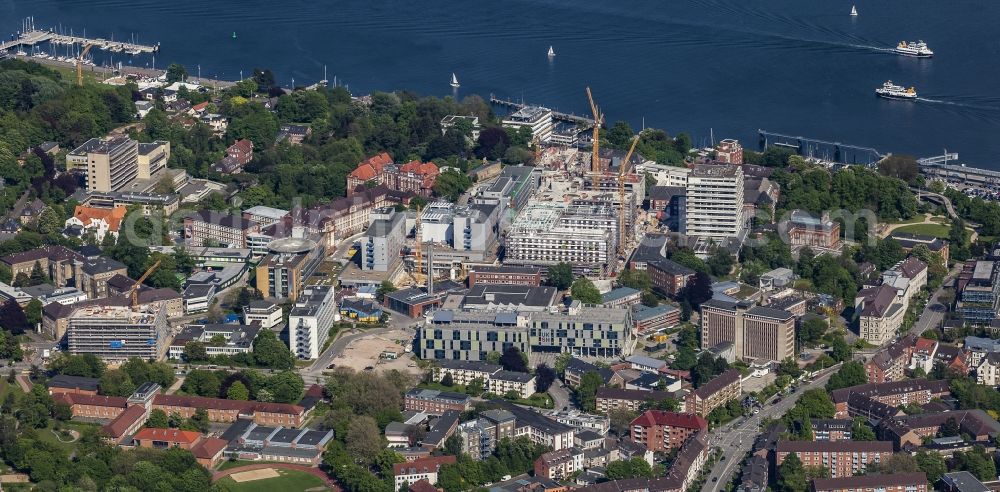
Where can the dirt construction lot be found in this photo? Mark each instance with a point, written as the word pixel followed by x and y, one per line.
pixel 367 352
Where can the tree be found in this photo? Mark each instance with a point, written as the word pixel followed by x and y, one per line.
pixel 860 431
pixel 386 287
pixel 903 167
pixel 364 441
pixel 238 391
pixel 492 143
pixel 197 422
pixel 950 428
pixel 194 351
pixel 544 377
pixel 897 463
pixel 812 330
pixel 158 419
pixel 13 319
pixel 852 373
pixel 958 237
pixel 792 475
pixel 700 290
pixel 176 73
pixel 636 279
pixel 720 263
pixel 584 291
pixel 634 468
pixel 286 386
pixel 977 462
pixel 586 392
pixel 561 276
pixel 932 464
pixel 453 445
pixel 202 383
pixel 33 312
pixel 451 185
pixel 513 360
pixel 271 352
pixel 116 382
pixel 841 351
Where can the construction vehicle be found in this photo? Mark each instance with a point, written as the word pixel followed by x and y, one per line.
pixel 621 196
pixel 598 121
pixel 134 291
pixel 79 64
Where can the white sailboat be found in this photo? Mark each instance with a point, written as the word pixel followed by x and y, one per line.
pixel 454 80
pixel 552 52
pixel 854 10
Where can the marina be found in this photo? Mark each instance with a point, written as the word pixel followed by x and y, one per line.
pixel 556 115
pixel 30 36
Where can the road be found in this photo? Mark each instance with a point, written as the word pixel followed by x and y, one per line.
pixel 736 438
pixel 934 311
pixel 560 395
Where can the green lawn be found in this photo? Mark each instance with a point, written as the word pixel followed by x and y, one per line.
pixel 289 481
pixel 47 435
pixel 916 219
pixel 936 230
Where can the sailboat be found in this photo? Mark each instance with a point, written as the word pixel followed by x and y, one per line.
pixel 552 52
pixel 854 10
pixel 454 80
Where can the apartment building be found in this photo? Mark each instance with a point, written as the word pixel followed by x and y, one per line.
pixel 110 164
pixel 893 393
pixel 889 364
pixel 988 370
pixel 414 471
pixel 535 118
pixel 504 382
pixel 831 429
pixel 310 320
pixel 239 154
pixel 546 233
pixel 434 402
pixel 715 393
pixel 881 313
pixel 116 333
pixel 464 372
pixel 661 431
pixel 842 458
pixel 911 430
pixel 756 332
pixel 896 482
pixel 714 203
pixel 538 428
pixel 633 400
pixel 383 240
pixel 557 465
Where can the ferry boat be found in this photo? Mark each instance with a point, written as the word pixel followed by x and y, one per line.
pixel 918 49
pixel 893 91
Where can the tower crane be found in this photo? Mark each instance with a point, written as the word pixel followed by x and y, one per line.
pixel 621 196
pixel 598 121
pixel 134 291
pixel 79 64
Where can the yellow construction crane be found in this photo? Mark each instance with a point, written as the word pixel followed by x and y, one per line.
pixel 598 121
pixel 621 196
pixel 79 64
pixel 138 283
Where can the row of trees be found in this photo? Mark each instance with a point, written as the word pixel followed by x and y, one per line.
pixel 268 352
pixel 248 384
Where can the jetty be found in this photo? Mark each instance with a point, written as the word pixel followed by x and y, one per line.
pixel 34 36
pixel 556 115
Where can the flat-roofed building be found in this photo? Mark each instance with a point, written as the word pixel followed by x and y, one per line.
pixel 769 334
pixel 235 339
pixel 979 293
pixel 383 240
pixel 714 203
pixel 535 118
pixel 310 320
pixel 546 233
pixel 117 333
pixel 895 482
pixel 505 275
pixel 110 164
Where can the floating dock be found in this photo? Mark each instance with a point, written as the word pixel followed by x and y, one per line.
pixel 34 37
pixel 566 117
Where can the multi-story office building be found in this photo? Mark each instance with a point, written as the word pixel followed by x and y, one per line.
pixel 283 272
pixel 536 118
pixel 152 158
pixel 979 293
pixel 265 216
pixel 756 333
pixel 310 321
pixel 842 458
pixel 464 228
pixel 222 229
pixel 511 190
pixel 116 333
pixel 238 339
pixel 383 240
pixel 110 164
pixel 265 313
pixel 547 233
pixel 582 331
pixel 714 203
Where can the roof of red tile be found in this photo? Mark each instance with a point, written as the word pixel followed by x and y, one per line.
pixel 371 167
pixel 93 400
pixel 925 345
pixel 912 266
pixel 672 419
pixel 422 485
pixel 128 418
pixel 200 106
pixel 113 216
pixel 720 381
pixel 422 465
pixel 243 144
pixel 170 435
pixel 417 167
pixel 209 448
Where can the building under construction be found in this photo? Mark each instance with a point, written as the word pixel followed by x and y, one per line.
pixel 549 232
pixel 116 333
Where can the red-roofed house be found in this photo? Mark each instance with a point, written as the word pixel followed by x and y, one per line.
pixel 422 486
pixel 239 154
pixel 208 451
pixel 414 176
pixel 923 354
pixel 92 406
pixel 221 410
pixel 662 431
pixel 200 107
pixel 421 469
pixel 130 421
pixel 154 437
pixel 100 221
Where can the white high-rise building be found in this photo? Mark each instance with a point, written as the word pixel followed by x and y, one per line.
pixel 310 321
pixel 715 201
pixel 537 118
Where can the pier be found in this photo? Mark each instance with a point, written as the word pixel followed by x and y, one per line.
pixel 556 115
pixel 821 149
pixel 33 37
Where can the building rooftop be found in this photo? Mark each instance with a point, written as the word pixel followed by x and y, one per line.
pixel 870 482
pixel 73 382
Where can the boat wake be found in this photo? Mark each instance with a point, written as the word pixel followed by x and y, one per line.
pixel 978 107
